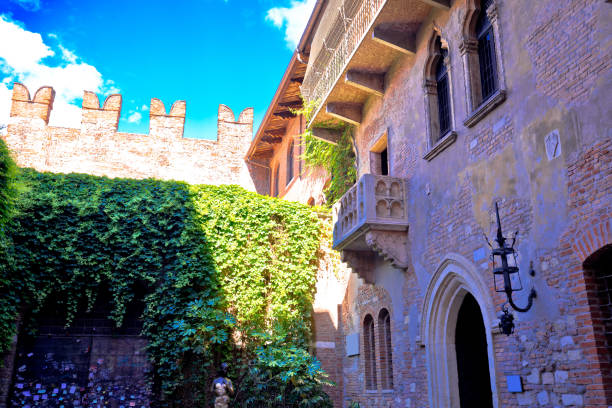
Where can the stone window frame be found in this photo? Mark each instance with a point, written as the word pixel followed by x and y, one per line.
pixel 437 143
pixel 476 108
pixel 385 354
pixel 377 147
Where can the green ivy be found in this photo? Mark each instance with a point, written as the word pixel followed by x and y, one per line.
pixel 8 171
pixel 222 269
pixel 338 160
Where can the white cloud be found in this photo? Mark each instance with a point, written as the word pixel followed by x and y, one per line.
pixel 22 60
pixel 30 5
pixel 144 108
pixel 135 117
pixel 292 19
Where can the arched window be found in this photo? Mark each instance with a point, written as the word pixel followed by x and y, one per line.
pixel 276 175
pixel 438 98
pixel 384 341
pixel 444 113
pixel 482 60
pixel 290 162
pixel 369 345
pixel 486 52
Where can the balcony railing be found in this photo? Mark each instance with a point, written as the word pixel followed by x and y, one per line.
pixel 374 203
pixel 329 65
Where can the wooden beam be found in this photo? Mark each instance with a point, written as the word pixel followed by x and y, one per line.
pixel 441 4
pixel 372 83
pixel 331 136
pixel 284 114
pixel 291 105
pixel 347 112
pixel 398 38
pixel 271 139
pixel 276 132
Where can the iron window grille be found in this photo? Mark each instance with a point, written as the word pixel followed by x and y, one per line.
pixel 444 114
pixel 486 52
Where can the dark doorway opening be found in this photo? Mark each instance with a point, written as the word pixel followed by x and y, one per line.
pixel 472 357
pixel 598 274
pixel 384 164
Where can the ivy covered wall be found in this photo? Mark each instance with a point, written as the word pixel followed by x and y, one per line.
pixel 226 275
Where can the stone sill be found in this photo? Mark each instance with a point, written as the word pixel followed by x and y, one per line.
pixel 447 140
pixel 487 106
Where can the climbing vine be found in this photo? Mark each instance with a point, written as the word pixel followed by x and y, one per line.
pixel 338 160
pixel 8 172
pixel 224 274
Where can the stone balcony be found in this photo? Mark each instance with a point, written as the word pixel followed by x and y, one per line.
pixel 372 217
pixel 361 45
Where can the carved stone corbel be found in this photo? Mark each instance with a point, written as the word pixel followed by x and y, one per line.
pixel 391 245
pixel 361 262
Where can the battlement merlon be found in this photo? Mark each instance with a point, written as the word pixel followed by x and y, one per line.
pixel 168 126
pixel 231 131
pixel 37 108
pixel 98 121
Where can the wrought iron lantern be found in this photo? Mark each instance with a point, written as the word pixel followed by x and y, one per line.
pixel 506 276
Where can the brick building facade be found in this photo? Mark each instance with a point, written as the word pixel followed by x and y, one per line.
pixel 468 103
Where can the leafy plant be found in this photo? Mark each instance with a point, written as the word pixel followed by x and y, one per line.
pixel 8 172
pixel 338 160
pixel 220 269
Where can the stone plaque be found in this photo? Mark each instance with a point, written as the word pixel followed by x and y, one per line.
pixel 552 141
pixel 514 383
pixel 352 344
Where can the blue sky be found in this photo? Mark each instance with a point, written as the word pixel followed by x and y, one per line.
pixel 206 52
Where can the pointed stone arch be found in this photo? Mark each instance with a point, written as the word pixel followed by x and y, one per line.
pixel 454 278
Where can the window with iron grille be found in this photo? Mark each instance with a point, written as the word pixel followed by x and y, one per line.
pixel 444 114
pixel 486 52
pixel 290 163
pixel 369 352
pixel 384 340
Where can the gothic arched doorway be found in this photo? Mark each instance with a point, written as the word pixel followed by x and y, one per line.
pixel 472 358
pixel 458 300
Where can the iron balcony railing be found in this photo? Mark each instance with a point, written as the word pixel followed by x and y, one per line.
pixel 375 202
pixel 333 58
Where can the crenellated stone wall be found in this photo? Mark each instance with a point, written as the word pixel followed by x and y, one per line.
pixel 97 147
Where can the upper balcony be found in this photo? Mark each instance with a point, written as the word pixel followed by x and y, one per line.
pixel 359 47
pixel 372 216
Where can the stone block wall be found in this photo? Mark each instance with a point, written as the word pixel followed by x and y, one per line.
pixel 98 149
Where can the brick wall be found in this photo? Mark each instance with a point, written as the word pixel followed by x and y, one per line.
pixel 97 148
pixel 558 79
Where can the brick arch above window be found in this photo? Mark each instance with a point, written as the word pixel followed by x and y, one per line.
pixel 373 300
